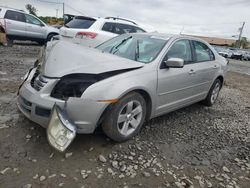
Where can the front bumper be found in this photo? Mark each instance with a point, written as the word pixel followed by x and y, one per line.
pixel 37 106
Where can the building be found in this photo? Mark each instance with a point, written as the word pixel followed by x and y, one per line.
pixel 217 41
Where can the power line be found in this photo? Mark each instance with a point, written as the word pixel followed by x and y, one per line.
pixel 78 11
pixel 52 2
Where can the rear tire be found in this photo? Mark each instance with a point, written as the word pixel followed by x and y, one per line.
pixel 125 118
pixel 9 42
pixel 213 93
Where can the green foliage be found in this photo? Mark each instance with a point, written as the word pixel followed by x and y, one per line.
pixel 233 45
pixel 244 43
pixel 50 20
pixel 32 10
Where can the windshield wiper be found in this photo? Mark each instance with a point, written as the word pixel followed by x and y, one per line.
pixel 117 46
pixel 137 51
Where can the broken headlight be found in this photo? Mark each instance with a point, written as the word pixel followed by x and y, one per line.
pixel 61 130
pixel 73 85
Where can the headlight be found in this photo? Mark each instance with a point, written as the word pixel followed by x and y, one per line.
pixel 61 131
pixel 73 85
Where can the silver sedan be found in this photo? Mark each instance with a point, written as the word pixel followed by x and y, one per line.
pixel 119 84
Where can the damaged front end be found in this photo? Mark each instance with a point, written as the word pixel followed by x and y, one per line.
pixel 61 130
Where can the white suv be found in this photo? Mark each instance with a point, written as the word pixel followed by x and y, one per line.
pixel 90 31
pixel 19 25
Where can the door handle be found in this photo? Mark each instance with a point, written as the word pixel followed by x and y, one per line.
pixel 191 72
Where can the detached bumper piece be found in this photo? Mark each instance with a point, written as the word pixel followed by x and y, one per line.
pixel 61 131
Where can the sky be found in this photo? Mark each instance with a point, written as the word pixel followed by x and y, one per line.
pixel 217 18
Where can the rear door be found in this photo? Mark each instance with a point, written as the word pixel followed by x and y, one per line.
pixel 15 23
pixel 107 30
pixel 206 67
pixel 126 28
pixel 35 28
pixel 176 86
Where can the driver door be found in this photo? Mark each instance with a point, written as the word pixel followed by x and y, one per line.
pixel 176 86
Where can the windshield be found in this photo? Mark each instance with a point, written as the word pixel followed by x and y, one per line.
pixel 141 48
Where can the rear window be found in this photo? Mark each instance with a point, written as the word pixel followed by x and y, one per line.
pixel 81 23
pixel 12 15
pixel 203 52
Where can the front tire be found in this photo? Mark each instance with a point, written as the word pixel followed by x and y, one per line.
pixel 213 93
pixel 125 118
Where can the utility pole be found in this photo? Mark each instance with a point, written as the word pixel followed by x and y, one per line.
pixel 63 9
pixel 241 30
pixel 63 12
pixel 56 13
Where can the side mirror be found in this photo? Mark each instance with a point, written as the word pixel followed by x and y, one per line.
pixel 174 63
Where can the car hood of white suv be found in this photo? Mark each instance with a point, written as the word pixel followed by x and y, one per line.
pixel 68 58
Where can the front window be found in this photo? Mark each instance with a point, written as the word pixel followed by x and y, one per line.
pixel 141 48
pixel 181 49
pixel 32 20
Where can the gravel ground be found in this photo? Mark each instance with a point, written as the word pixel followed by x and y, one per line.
pixel 193 147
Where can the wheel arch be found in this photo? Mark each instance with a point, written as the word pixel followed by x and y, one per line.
pixel 221 78
pixel 143 93
pixel 2 29
pixel 52 33
pixel 148 101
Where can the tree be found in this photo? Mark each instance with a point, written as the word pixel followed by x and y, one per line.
pixel 244 43
pixel 32 10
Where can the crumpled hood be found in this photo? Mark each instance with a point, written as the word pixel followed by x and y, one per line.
pixel 68 58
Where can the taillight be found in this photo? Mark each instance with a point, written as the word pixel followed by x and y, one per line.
pixel 86 34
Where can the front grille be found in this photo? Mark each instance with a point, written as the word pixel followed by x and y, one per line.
pixel 38 81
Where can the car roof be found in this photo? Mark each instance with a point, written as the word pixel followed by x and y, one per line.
pixel 163 35
pixel 9 8
pixel 111 19
pixel 166 36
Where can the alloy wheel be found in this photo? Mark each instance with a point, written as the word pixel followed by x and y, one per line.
pixel 215 92
pixel 129 117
